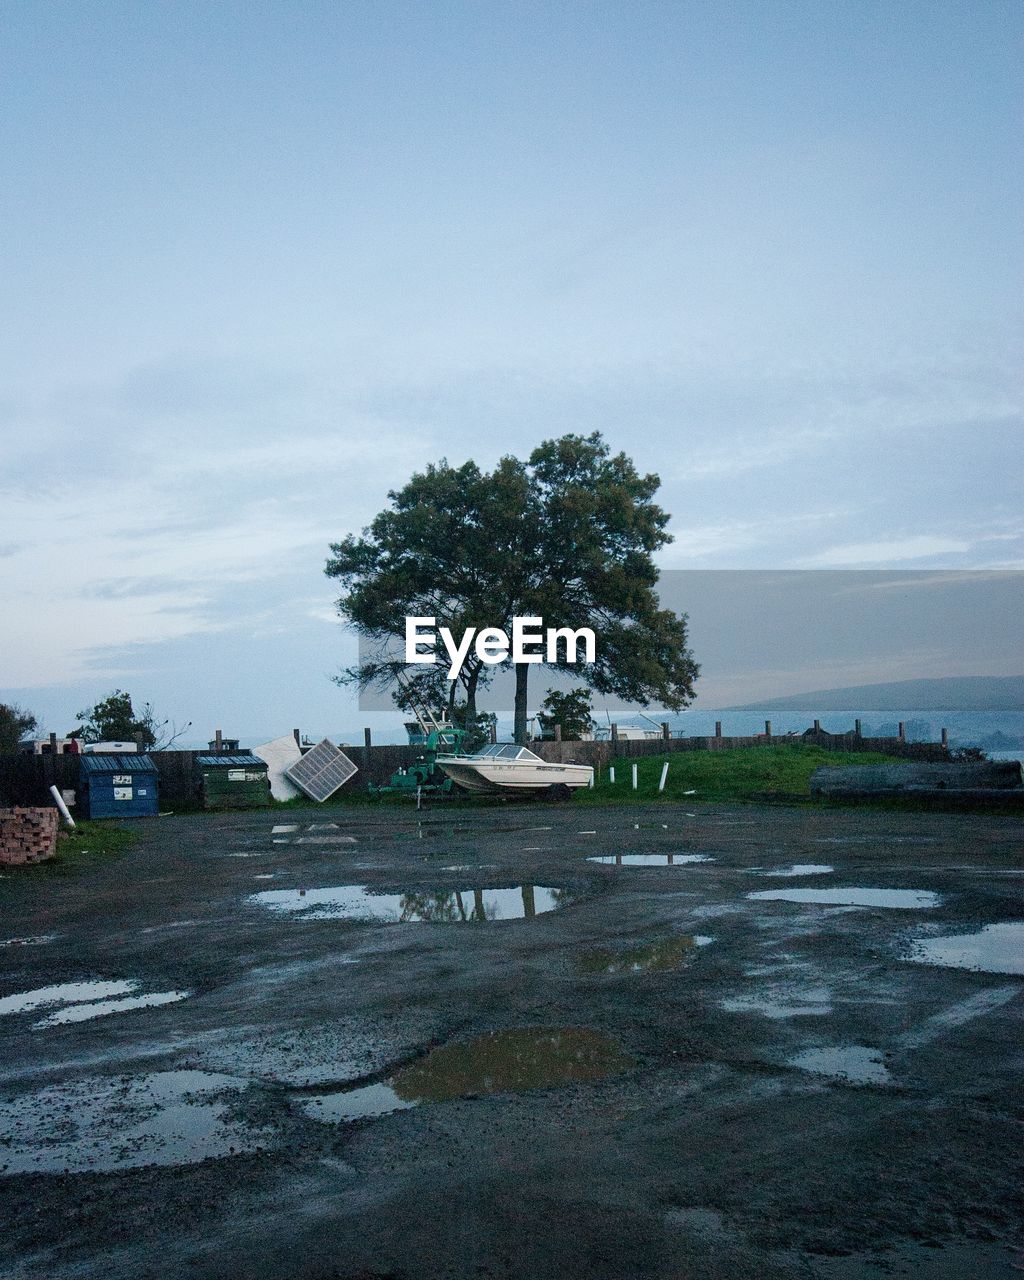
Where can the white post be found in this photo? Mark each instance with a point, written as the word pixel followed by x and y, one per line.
pixel 634 776
pixel 611 773
pixel 418 793
pixel 664 775
pixel 591 782
pixel 65 813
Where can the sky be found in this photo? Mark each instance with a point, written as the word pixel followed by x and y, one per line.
pixel 261 262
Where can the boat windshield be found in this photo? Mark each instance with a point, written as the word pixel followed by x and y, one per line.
pixel 509 751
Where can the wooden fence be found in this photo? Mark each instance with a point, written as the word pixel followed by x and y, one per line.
pixel 26 780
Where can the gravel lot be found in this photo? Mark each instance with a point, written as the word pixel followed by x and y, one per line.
pixel 633 1070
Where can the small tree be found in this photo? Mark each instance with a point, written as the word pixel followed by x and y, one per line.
pixel 573 711
pixel 15 723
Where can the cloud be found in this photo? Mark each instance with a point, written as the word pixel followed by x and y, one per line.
pixel 915 547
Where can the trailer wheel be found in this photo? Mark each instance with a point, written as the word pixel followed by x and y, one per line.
pixel 558 791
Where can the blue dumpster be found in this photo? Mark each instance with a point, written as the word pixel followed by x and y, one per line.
pixel 117 786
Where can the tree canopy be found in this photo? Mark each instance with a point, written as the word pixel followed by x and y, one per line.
pixel 15 723
pixel 568 536
pixel 114 719
pixel 572 711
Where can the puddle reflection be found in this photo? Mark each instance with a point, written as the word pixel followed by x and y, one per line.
pixel 498 1062
pixel 651 859
pixel 853 1064
pixel 357 902
pixel 907 899
pixel 167 1118
pixel 997 948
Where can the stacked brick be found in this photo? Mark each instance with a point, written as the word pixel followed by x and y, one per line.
pixel 27 835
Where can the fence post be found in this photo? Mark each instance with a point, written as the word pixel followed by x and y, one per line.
pixel 817 726
pixel 634 775
pixel 856 729
pixel 615 733
pixel 664 775
pixel 718 728
pixel 902 732
pixel 767 728
pixel 664 730
pixel 945 737
pixel 611 773
pixel 558 733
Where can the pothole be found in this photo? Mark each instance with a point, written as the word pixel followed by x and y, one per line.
pixel 997 948
pixel 905 899
pixel 100 1125
pixel 651 859
pixel 498 1062
pixel 357 902
pixel 655 957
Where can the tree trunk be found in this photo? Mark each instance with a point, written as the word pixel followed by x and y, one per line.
pixel 471 683
pixel 522 675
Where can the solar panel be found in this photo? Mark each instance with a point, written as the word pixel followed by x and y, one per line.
pixel 321 771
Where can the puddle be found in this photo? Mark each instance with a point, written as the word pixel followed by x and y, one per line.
pixel 103 1124
pixel 853 1064
pixel 811 1002
pixel 653 957
pixel 997 948
pixel 323 840
pixel 37 941
pixel 651 859
pixel 907 899
pixel 356 1104
pixel 498 1062
pixel 100 1009
pixel 801 869
pixel 355 902
pixel 282 827
pixel 64 993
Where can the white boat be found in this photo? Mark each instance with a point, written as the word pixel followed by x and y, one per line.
pixel 507 767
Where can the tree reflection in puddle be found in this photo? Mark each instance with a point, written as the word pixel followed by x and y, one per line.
pixel 357 902
pixel 498 1062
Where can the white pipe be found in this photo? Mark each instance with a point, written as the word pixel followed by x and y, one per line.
pixel 65 813
pixel 634 777
pixel 664 775
pixel 611 773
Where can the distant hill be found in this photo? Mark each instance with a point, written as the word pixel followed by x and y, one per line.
pixel 951 693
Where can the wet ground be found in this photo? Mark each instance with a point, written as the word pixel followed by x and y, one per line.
pixel 525 1042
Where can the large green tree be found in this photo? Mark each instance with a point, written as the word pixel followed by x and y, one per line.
pixel 15 723
pixel 567 536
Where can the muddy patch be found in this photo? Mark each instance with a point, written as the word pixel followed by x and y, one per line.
pixel 357 902
pixel 903 899
pixel 99 1125
pixel 499 1062
pixel 651 859
pixel 997 948
pixel 650 957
